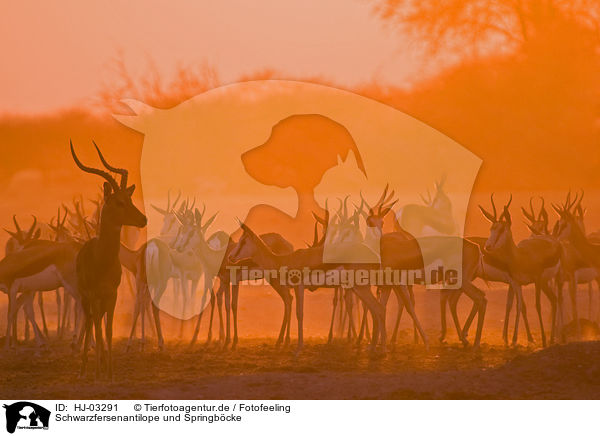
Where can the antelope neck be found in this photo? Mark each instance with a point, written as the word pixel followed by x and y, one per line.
pixel 109 239
pixel 509 249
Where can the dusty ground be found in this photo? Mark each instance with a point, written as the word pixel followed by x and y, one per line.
pixel 256 370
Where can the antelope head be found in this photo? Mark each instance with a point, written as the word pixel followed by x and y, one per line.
pixel 537 224
pixel 579 213
pixel 378 212
pixel 61 234
pixel 246 246
pixel 440 200
pixel 192 231
pixel 20 237
pixel 317 242
pixel 500 232
pixel 567 224
pixel 118 209
pixel 345 227
pixel 170 221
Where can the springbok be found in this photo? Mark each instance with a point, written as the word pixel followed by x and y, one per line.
pixel 344 229
pixel 581 252
pixel 98 265
pixel 434 218
pixel 18 239
pixel 533 260
pixel 40 266
pixel 399 250
pixel 209 253
pixel 312 258
pixel 279 245
pixel 588 274
pixel 374 218
pixel 494 269
pixel 59 271
pixel 153 268
pixel 170 225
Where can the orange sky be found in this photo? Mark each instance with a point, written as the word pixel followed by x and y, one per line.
pixel 58 54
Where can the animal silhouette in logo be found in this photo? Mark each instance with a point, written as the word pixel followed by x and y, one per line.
pixel 26 415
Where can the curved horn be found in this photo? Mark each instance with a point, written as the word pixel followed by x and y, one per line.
pixel 579 202
pixel 531 206
pixel 64 216
pixel 339 212
pixel 529 215
pixel 494 206
pixel 557 208
pixel 491 218
pixel 543 215
pixel 159 210
pixel 57 217
pixel 365 201
pixel 106 176
pixel 316 235
pixel 19 231
pixel 204 227
pixel 572 203
pixel 346 207
pixel 177 199
pixel 32 228
pixel 13 234
pixel 123 172
pixel 382 198
pixel 427 200
pixel 388 198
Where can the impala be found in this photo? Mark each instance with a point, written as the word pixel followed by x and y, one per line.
pixel 98 266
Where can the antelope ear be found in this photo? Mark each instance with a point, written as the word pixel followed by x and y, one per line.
pixel 387 209
pixel 159 210
pixel 13 234
pixel 37 234
pixel 130 190
pixel 247 229
pixel 107 190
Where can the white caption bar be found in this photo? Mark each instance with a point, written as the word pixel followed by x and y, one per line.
pixel 298 417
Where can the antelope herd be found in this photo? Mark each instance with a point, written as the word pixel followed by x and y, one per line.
pixel 83 255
